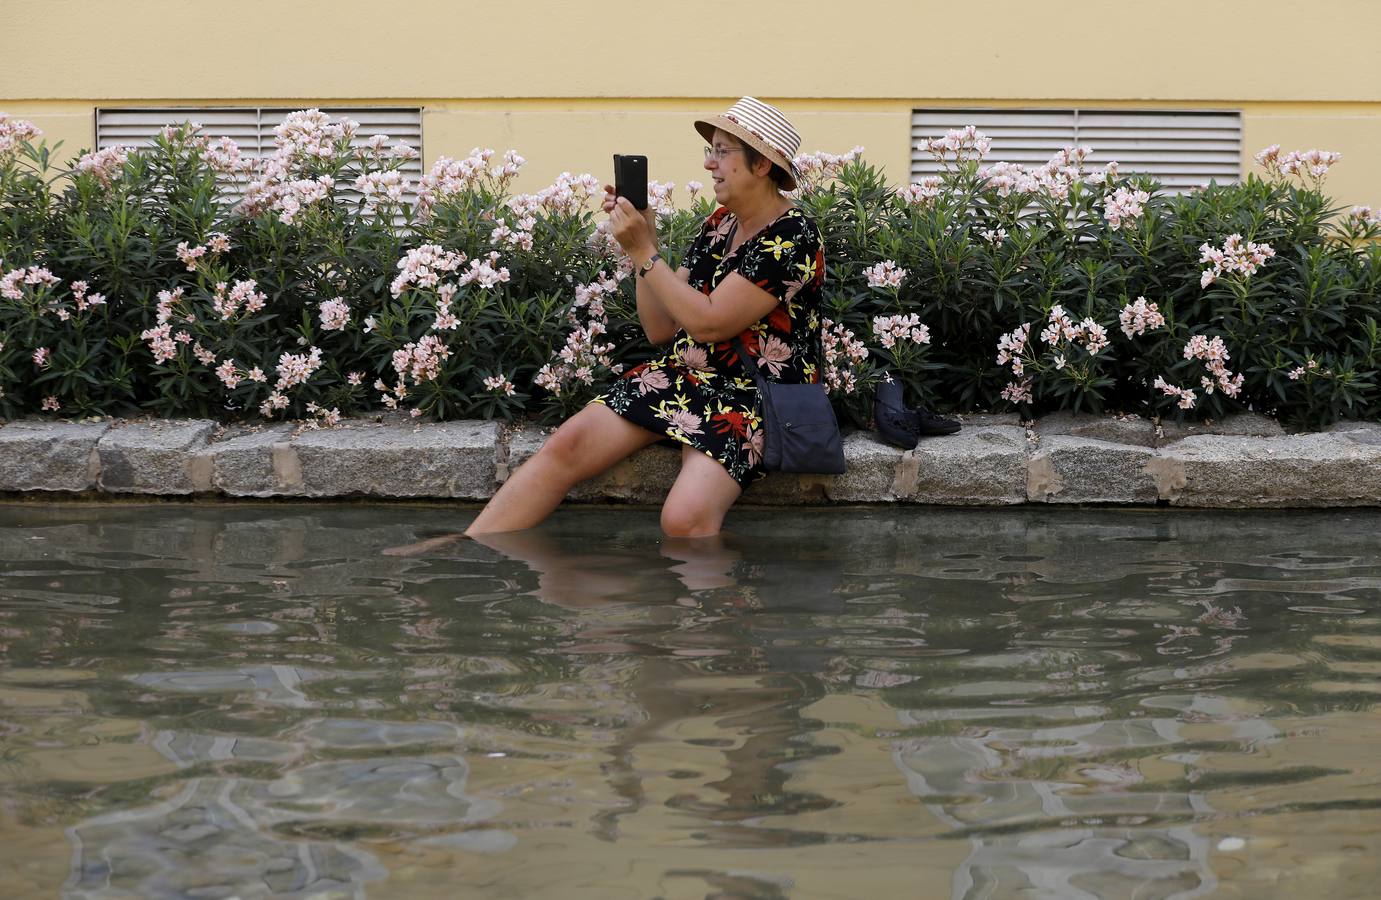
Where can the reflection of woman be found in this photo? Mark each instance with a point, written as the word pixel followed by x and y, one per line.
pixel 753 273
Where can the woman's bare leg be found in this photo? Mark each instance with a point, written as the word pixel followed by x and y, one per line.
pixel 700 498
pixel 587 444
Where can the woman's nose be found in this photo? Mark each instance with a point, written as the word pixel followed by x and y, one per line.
pixel 710 163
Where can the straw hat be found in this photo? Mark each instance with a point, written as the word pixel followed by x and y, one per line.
pixel 761 127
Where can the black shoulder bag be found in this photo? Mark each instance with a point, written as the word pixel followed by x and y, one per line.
pixel 800 432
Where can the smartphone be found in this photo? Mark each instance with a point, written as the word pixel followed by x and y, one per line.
pixel 630 179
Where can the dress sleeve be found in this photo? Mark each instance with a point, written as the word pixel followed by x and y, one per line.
pixel 782 259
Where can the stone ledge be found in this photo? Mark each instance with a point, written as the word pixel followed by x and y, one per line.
pixel 994 461
pixel 256 464
pixel 982 466
pixel 50 456
pixel 442 459
pixel 1255 472
pixel 158 457
pixel 1069 469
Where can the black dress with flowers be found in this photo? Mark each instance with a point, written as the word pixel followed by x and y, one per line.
pixel 699 394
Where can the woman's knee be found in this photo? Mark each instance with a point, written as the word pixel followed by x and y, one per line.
pixel 566 445
pixel 572 445
pixel 690 520
pixel 589 442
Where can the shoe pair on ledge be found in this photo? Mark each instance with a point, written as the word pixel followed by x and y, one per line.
pixel 904 426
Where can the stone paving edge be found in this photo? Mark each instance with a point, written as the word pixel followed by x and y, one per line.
pixel 1243 462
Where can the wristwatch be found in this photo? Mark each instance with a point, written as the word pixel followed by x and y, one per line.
pixel 647 266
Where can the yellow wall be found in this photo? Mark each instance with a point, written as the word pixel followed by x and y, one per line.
pixel 568 84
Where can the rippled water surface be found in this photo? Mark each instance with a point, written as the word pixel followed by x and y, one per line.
pixel 253 701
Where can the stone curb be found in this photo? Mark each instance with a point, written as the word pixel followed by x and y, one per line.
pixel 1242 462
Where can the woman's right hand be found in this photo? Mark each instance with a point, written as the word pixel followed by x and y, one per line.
pixel 610 199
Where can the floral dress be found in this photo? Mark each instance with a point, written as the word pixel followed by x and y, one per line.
pixel 699 394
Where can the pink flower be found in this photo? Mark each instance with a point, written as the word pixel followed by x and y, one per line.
pixel 1004 178
pixel 51 404
pixel 423 267
pixel 189 255
pixel 40 357
pixel 649 380
pixel 1140 317
pixel 275 401
pixel 963 144
pixel 450 176
pixel 891 329
pixel 842 354
pixel 445 320
pixel 243 294
pixel 1018 392
pixel 753 446
pixel 1310 165
pixel 381 188
pixel 296 368
pixel 682 421
pixel 160 342
pixel 499 384
pixel 922 192
pixel 1123 203
pixel 224 157
pixel 421 360
pixel 885 274
pixel 1235 259
pixel 817 168
pixel 693 356
pixel 328 417
pixel 335 314
pixel 483 272
pixel 227 374
pixel 1185 395
pixel 104 165
pixel 774 355
pixel 37 275
pixel 659 197
pixel 13 132
pixel 1010 346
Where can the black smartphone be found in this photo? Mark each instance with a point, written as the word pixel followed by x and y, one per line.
pixel 630 179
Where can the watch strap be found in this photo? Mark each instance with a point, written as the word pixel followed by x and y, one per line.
pixel 647 266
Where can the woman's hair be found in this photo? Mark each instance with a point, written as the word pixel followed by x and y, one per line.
pixel 751 157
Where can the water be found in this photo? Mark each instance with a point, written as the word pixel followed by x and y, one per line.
pixel 252 701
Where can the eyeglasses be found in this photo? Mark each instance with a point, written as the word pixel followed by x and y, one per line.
pixel 718 153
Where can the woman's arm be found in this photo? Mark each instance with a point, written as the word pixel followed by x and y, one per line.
pixel 733 306
pixel 659 326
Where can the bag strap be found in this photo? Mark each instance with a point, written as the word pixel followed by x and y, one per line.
pixel 769 409
pixel 751 365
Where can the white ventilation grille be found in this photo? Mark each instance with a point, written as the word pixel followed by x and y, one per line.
pixel 251 128
pixel 1182 150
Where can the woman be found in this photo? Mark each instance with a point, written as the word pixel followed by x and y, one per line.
pixel 753 273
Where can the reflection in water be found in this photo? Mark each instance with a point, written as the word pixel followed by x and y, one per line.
pixel 255 701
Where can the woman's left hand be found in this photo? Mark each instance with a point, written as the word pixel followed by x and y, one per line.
pixel 632 230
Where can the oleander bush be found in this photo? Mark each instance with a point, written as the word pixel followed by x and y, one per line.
pixel 185 279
